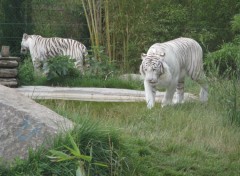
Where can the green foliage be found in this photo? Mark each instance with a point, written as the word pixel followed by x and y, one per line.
pixel 14 22
pixel 60 66
pixel 59 18
pixel 27 75
pixel 99 64
pixel 137 25
pixel 25 72
pixel 226 60
pixel 224 66
pixel 233 103
pixel 204 20
pixel 236 23
pixel 124 29
pixel 227 97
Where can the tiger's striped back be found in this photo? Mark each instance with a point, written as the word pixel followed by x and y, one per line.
pixel 187 53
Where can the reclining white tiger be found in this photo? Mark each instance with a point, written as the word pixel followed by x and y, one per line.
pixel 166 64
pixel 42 48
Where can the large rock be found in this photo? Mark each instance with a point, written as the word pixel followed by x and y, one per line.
pixel 25 124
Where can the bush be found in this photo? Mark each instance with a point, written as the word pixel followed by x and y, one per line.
pixel 60 66
pixel 225 61
pixel 25 72
pixel 100 64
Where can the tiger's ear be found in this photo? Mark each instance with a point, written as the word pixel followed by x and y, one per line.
pixel 143 56
pixel 141 70
pixel 25 36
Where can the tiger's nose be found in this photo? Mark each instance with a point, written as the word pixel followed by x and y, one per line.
pixel 152 81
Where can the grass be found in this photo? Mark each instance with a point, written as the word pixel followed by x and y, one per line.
pixel 187 139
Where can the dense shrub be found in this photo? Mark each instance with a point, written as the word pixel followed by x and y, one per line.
pixel 226 60
pixel 100 65
pixel 60 66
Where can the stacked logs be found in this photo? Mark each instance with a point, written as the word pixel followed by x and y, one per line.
pixel 8 70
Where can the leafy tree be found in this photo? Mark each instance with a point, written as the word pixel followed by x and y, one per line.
pixel 209 21
pixel 227 58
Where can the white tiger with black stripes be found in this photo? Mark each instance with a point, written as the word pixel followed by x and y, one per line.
pixel 166 64
pixel 43 48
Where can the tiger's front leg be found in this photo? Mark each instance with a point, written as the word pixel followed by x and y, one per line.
pixel 168 97
pixel 150 93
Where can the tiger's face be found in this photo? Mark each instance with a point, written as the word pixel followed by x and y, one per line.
pixel 151 68
pixel 24 44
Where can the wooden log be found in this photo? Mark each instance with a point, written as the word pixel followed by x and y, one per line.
pixel 93 94
pixel 10 58
pixel 10 82
pixel 8 73
pixel 8 63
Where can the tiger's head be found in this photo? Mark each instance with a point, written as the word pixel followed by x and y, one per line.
pixel 25 43
pixel 152 67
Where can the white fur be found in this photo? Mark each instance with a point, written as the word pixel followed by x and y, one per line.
pixel 42 48
pixel 167 64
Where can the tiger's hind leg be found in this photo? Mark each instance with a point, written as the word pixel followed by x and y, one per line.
pixel 79 65
pixel 180 92
pixel 203 95
pixel 168 97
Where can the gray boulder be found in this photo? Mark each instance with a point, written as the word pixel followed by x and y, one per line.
pixel 25 124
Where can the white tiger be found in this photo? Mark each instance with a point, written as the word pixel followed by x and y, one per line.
pixel 166 64
pixel 42 48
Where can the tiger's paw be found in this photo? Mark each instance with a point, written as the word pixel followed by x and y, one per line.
pixel 150 105
pixel 166 103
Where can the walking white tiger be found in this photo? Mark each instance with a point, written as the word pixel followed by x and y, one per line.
pixel 167 64
pixel 43 48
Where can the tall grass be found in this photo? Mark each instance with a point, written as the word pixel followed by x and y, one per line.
pixel 187 139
